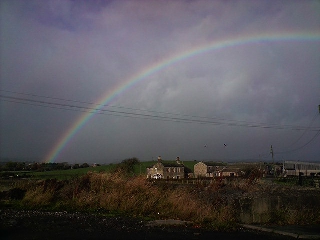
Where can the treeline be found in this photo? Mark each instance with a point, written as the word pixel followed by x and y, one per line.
pixel 25 166
pixel 125 166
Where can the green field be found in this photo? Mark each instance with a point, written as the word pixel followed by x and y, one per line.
pixel 139 169
pixel 70 173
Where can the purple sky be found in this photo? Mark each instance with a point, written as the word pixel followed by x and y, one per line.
pixel 59 56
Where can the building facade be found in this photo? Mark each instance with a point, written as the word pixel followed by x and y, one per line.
pixel 296 168
pixel 202 169
pixel 166 170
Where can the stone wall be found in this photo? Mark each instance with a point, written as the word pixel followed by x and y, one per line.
pixel 278 208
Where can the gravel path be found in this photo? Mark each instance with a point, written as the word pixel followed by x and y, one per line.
pixel 63 225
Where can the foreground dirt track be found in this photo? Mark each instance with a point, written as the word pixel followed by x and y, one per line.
pixel 62 225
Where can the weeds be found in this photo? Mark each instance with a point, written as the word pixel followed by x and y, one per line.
pixel 211 205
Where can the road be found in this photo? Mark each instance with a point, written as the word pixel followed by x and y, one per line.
pixel 62 225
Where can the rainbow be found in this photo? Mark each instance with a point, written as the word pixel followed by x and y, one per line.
pixel 156 67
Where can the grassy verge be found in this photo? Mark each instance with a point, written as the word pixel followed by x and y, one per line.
pixel 207 203
pixel 116 193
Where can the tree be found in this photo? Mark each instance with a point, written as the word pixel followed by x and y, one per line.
pixel 84 165
pixel 75 166
pixel 127 165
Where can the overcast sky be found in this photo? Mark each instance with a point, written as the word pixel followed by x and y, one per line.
pixel 59 58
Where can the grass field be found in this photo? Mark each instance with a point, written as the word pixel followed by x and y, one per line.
pixel 70 173
pixel 139 169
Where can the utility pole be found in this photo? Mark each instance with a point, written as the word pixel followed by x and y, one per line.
pixel 273 166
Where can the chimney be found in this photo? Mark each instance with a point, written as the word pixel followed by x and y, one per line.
pixel 159 158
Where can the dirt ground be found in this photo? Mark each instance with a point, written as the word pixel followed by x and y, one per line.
pixel 63 225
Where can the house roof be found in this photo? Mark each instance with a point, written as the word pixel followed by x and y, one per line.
pixel 230 169
pixel 172 165
pixel 213 164
pixel 187 170
pixel 169 164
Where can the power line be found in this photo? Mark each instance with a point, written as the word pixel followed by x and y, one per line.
pixel 254 124
pixel 137 113
pixel 112 112
pixel 303 146
pixel 263 156
pixel 90 107
pixel 306 144
pixel 315 116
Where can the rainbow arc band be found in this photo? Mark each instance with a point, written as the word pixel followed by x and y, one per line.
pixel 158 66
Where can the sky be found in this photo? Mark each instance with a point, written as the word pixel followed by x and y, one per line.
pixel 102 81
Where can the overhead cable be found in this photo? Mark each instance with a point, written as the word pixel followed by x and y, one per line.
pixel 82 106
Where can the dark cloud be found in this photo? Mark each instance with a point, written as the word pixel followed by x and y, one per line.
pixel 247 96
